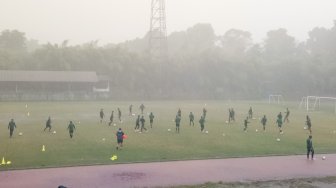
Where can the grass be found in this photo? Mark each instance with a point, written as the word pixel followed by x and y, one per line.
pixel 88 147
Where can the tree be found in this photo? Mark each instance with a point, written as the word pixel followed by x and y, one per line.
pixel 13 41
pixel 279 46
pixel 235 42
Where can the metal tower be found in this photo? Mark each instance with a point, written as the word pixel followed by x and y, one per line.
pixel 158 32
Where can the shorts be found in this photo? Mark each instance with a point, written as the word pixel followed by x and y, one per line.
pixel 120 141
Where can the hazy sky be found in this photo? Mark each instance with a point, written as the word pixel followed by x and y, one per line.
pixel 115 21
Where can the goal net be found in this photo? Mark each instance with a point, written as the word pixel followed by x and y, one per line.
pixel 312 103
pixel 275 99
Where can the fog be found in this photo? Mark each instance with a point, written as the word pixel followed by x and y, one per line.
pixel 114 21
pixel 217 49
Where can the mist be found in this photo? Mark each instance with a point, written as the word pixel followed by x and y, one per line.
pixel 218 50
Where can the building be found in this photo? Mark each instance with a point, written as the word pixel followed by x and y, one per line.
pixel 51 85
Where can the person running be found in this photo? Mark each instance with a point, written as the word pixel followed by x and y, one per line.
pixel 142 121
pixel 101 114
pixel 310 149
pixel 191 118
pixel 111 117
pixel 202 121
pixel 71 128
pixel 142 107
pixel 120 138
pixel 11 127
pixel 279 123
pixel 119 115
pixel 308 123
pixel 137 123
pixel 286 116
pixel 48 124
pixel 151 119
pixel 130 109
pixel 250 113
pixel 263 122
pixel 177 122
pixel 204 112
pixel 245 124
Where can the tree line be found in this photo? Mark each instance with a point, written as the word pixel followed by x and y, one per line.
pixel 199 65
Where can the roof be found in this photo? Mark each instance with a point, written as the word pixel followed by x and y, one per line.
pixel 47 76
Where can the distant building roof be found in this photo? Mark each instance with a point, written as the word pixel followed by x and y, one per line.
pixel 47 76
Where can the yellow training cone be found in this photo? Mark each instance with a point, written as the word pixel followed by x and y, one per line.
pixel 43 148
pixel 9 162
pixel 114 157
pixel 3 161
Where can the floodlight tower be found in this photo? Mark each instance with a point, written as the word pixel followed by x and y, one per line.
pixel 158 32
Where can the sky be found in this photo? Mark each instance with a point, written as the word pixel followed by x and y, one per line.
pixel 114 21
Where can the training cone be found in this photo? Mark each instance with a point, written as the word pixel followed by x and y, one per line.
pixel 43 148
pixel 114 157
pixel 3 162
pixel 9 162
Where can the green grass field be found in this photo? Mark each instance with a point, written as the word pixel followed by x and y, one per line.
pixel 158 144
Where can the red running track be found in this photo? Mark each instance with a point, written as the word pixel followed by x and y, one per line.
pixel 172 173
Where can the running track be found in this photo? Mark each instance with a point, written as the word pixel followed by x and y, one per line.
pixel 172 173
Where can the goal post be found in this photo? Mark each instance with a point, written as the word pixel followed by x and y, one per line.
pixel 277 99
pixel 312 103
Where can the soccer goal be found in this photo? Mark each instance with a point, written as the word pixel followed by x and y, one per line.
pixel 275 99
pixel 312 103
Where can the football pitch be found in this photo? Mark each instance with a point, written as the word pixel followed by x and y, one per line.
pixel 95 143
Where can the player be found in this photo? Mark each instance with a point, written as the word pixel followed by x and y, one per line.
pixel 111 118
pixel 279 122
pixel 202 121
pixel 230 115
pixel 310 149
pixel 286 116
pixel 204 112
pixel 71 128
pixel 120 138
pixel 142 107
pixel 191 118
pixel 119 115
pixel 245 124
pixel 151 118
pixel 48 124
pixel 130 109
pixel 308 123
pixel 177 122
pixel 101 114
pixel 263 122
pixel 233 115
pixel 11 127
pixel 142 121
pixel 280 116
pixel 137 123
pixel 179 113
pixel 250 113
